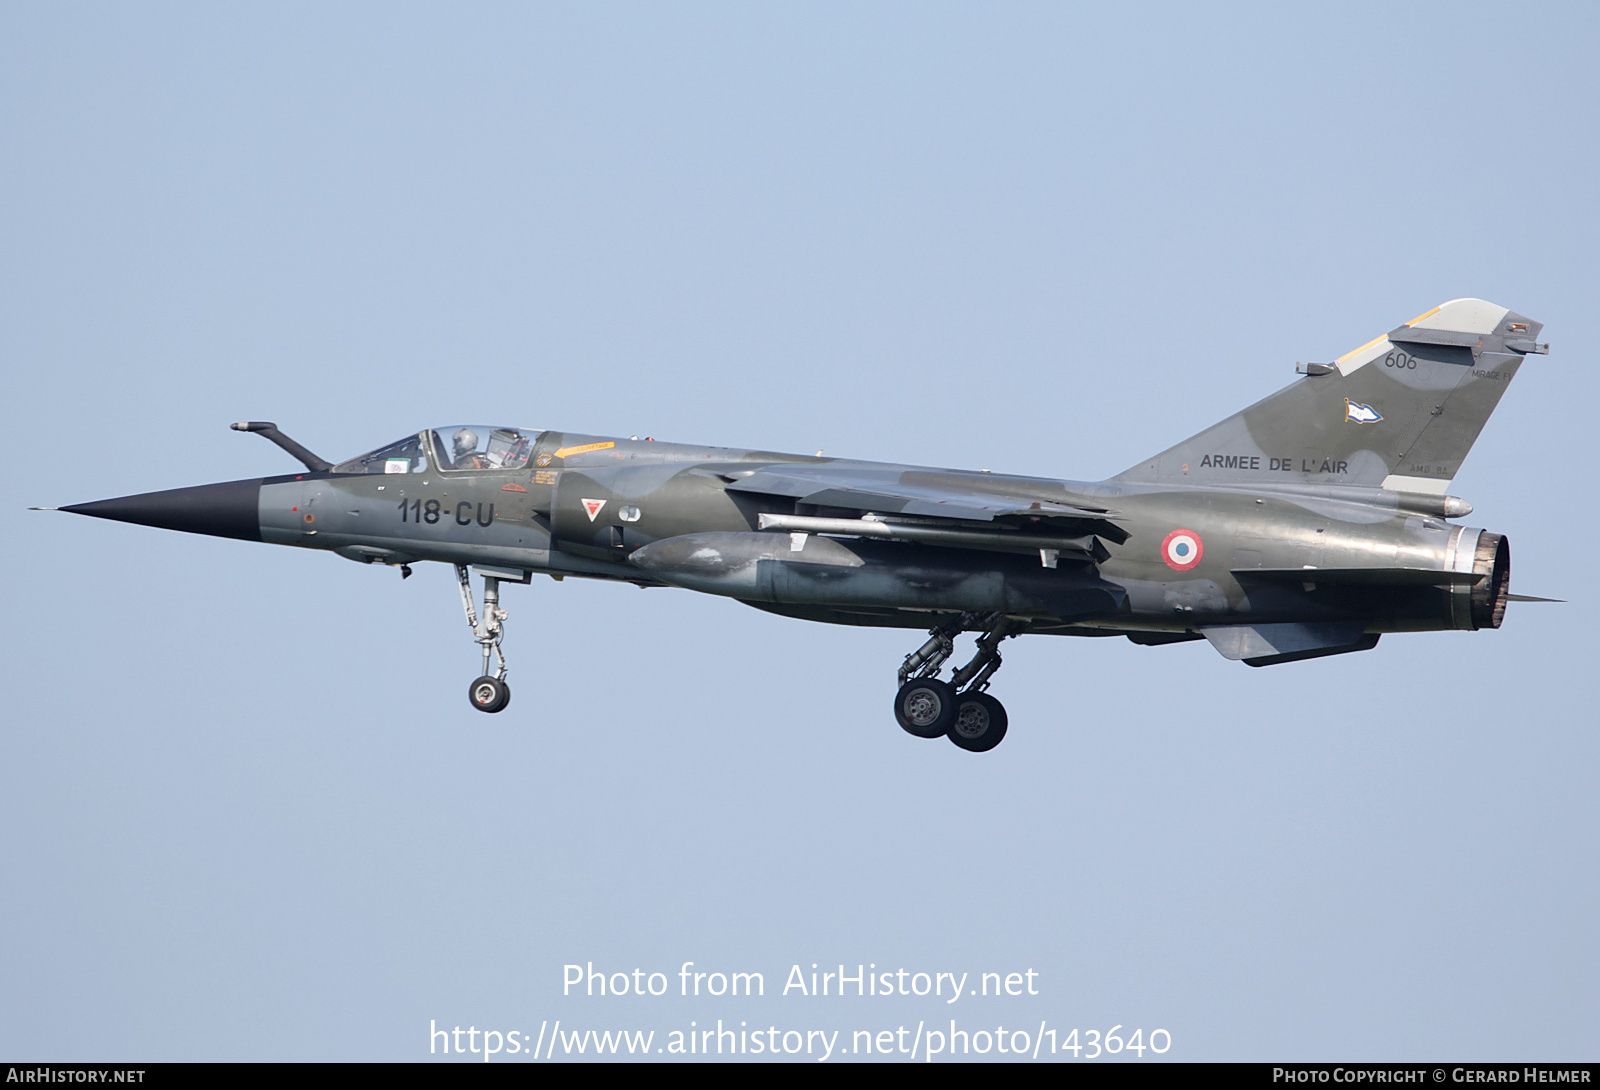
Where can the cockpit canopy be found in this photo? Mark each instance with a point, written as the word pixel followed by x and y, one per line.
pixel 453 449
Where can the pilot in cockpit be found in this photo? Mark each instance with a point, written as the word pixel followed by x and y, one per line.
pixel 466 454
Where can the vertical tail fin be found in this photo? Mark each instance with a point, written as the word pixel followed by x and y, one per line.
pixel 1399 412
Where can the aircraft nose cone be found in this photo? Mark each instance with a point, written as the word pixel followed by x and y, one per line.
pixel 230 509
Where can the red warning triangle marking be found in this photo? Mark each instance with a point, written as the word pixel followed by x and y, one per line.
pixel 593 507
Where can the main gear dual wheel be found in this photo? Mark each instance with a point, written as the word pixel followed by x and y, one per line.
pixel 979 724
pixel 959 708
pixel 925 707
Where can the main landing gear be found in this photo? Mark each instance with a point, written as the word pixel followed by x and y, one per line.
pixel 959 709
pixel 489 693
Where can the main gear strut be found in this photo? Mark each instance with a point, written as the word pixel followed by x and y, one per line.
pixel 929 659
pixel 961 709
pixel 489 693
pixel 974 676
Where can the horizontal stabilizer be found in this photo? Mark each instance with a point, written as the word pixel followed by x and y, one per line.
pixel 1270 644
pixel 1374 577
pixel 1531 598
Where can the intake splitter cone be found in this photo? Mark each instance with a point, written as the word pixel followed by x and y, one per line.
pixel 230 509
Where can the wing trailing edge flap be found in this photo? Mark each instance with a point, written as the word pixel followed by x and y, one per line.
pixel 1271 644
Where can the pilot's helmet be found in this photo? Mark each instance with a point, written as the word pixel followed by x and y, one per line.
pixel 466 441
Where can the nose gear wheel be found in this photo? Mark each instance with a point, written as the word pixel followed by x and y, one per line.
pixel 489 694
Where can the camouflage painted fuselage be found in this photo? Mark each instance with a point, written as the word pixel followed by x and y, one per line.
pixel 662 513
pixel 1306 525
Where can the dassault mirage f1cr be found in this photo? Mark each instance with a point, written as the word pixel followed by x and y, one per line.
pixel 1309 524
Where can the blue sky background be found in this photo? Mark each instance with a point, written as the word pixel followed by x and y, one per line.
pixel 248 813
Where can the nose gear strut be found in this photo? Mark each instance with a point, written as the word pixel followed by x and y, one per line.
pixel 960 709
pixel 489 693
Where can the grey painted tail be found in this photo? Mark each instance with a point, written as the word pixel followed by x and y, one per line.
pixel 1400 412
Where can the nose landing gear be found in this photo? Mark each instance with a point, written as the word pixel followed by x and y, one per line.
pixel 489 693
pixel 960 709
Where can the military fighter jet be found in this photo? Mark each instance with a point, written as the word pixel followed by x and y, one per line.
pixel 1310 524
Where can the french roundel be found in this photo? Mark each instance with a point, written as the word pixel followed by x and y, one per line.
pixel 1182 550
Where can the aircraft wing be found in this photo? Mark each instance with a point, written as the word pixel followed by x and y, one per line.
pixel 908 492
pixel 935 507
